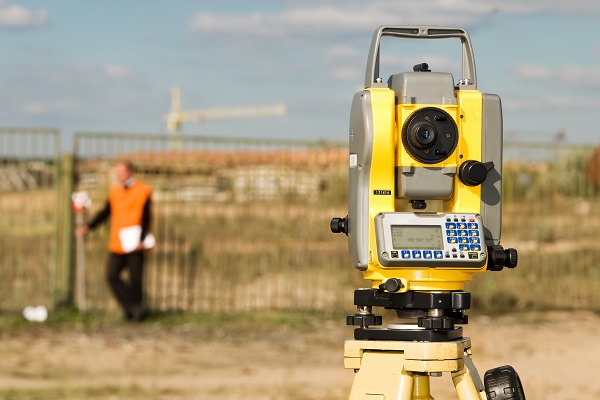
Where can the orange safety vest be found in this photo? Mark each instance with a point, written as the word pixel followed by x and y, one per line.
pixel 126 209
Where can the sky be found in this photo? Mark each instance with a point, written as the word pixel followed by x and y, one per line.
pixel 91 65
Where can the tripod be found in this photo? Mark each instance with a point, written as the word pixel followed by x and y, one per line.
pixel 397 362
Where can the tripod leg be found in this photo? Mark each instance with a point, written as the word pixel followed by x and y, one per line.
pixel 467 382
pixel 421 388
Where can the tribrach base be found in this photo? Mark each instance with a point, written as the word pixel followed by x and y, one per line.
pixel 400 370
pixel 422 335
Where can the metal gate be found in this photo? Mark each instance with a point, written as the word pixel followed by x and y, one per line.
pixel 29 218
pixel 243 224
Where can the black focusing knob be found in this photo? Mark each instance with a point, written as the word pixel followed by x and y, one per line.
pixel 512 258
pixel 473 173
pixel 339 225
pixel 499 257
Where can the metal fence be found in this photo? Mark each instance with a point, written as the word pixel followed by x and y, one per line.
pixel 240 224
pixel 30 238
pixel 244 224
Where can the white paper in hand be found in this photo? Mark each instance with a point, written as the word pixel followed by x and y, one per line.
pixel 149 241
pixel 130 238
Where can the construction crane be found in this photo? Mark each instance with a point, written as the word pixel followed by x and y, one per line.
pixel 176 116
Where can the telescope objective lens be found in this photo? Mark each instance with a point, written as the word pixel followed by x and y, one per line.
pixel 429 135
pixel 424 135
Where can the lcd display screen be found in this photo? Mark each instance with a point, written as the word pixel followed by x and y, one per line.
pixel 418 237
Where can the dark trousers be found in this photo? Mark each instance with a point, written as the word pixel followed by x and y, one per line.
pixel 128 293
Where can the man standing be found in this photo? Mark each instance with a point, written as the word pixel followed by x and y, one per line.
pixel 128 207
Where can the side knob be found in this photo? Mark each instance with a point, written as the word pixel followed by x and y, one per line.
pixel 339 225
pixel 498 258
pixel 513 258
pixel 473 173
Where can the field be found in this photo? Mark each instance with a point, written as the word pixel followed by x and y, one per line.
pixel 268 356
pixel 249 288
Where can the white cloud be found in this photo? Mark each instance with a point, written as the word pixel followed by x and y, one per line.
pixel 541 72
pixel 341 23
pixel 46 91
pixel 352 16
pixel 347 73
pixel 83 75
pixel 345 18
pixel 35 108
pixel 38 108
pixel 16 16
pixel 301 21
pixel 342 51
pixel 578 76
pixel 555 7
pixel 344 62
pixel 117 71
pixel 551 104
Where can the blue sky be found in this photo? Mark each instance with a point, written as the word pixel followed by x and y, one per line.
pixel 109 65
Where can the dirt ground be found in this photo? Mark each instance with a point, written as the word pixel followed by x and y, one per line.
pixel 556 355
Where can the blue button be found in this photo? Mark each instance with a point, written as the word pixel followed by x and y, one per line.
pixel 463 240
pixel 473 225
pixel 451 233
pixel 416 253
pixel 474 233
pixel 405 254
pixel 438 254
pixel 463 233
pixel 450 226
pixel 462 226
pixel 474 240
pixel 452 240
pixel 463 247
pixel 427 254
pixel 475 247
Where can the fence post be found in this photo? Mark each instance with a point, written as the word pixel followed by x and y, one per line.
pixel 63 290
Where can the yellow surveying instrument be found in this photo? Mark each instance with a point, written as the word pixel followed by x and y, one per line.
pixel 424 215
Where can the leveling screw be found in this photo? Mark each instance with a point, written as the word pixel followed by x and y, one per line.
pixel 364 317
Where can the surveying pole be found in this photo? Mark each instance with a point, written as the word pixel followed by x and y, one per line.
pixel 80 202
